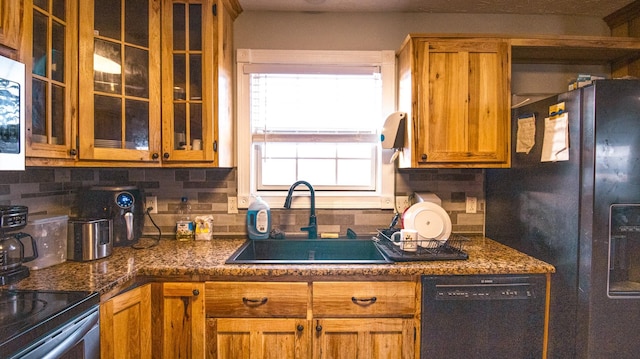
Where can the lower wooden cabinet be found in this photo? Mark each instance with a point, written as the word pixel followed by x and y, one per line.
pixel 256 320
pixel 379 338
pixel 183 329
pixel 125 325
pixel 329 320
pixel 258 338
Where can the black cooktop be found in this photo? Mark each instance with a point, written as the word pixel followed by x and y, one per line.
pixel 26 315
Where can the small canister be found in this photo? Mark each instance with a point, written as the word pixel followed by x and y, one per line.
pixel 89 239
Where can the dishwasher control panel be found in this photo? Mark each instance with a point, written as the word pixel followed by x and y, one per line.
pixel 484 292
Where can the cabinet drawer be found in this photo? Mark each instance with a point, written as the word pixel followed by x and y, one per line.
pixel 256 299
pixel 364 299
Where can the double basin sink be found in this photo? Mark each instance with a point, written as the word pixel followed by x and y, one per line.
pixel 309 251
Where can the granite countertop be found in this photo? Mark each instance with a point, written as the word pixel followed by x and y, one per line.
pixel 205 260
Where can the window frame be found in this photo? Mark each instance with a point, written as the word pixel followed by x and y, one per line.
pixel 382 197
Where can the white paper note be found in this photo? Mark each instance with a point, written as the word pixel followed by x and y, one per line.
pixel 526 134
pixel 555 145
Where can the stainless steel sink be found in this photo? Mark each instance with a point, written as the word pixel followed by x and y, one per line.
pixel 320 251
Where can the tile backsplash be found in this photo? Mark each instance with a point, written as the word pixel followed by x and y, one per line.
pixel 53 190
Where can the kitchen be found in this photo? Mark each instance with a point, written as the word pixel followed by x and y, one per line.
pixel 51 188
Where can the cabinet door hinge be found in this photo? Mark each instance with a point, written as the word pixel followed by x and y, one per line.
pixel 214 8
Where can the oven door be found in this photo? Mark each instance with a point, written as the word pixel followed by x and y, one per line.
pixel 12 115
pixel 78 339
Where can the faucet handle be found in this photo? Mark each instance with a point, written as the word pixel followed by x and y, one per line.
pixel 313 231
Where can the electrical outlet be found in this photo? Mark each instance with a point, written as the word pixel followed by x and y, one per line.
pixel 152 201
pixel 402 203
pixel 472 204
pixel 232 205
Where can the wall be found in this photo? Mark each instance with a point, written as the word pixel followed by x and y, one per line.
pixel 386 31
pixel 53 190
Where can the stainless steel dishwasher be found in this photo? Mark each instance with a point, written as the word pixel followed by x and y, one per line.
pixel 483 316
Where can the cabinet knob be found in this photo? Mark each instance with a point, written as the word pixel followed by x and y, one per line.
pixel 155 156
pixel 300 327
pixel 73 152
pixel 318 328
pixel 423 157
pixel 196 292
pixel 166 155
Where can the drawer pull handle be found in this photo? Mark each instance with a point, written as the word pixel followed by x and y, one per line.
pixel 300 327
pixel 254 302
pixel 363 301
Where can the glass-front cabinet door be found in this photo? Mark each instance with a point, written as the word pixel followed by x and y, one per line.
pixel 119 80
pixel 51 58
pixel 188 76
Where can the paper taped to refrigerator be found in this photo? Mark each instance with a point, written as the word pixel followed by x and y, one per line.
pixel 555 144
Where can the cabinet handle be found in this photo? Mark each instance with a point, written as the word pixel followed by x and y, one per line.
pixel 166 155
pixel 423 157
pixel 73 152
pixel 196 292
pixel 318 327
pixel 254 302
pixel 300 327
pixel 364 301
pixel 215 146
pixel 155 156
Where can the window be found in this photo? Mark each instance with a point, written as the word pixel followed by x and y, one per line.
pixel 315 116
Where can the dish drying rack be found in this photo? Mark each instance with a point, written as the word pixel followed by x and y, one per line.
pixel 428 250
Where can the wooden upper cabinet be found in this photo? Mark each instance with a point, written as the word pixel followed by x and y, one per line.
pixel 188 75
pixel 50 56
pixel 197 76
pixel 10 23
pixel 155 81
pixel 119 97
pixel 456 92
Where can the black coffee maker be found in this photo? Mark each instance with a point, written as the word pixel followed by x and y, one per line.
pixel 124 205
pixel 12 244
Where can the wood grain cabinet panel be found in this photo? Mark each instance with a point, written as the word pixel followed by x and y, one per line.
pixel 256 299
pixel 456 92
pixel 10 23
pixel 364 299
pixel 364 338
pixel 183 327
pixel 125 325
pixel 258 338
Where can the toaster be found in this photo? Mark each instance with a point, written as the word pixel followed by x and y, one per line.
pixel 89 239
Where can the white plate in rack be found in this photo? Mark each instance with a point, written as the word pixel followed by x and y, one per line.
pixel 430 220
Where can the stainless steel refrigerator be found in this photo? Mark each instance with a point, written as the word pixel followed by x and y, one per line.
pixel 582 216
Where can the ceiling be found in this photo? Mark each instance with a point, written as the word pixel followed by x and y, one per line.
pixel 597 8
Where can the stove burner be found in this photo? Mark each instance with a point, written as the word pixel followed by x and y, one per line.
pixel 15 309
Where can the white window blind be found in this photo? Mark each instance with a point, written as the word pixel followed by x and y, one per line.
pixel 319 127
